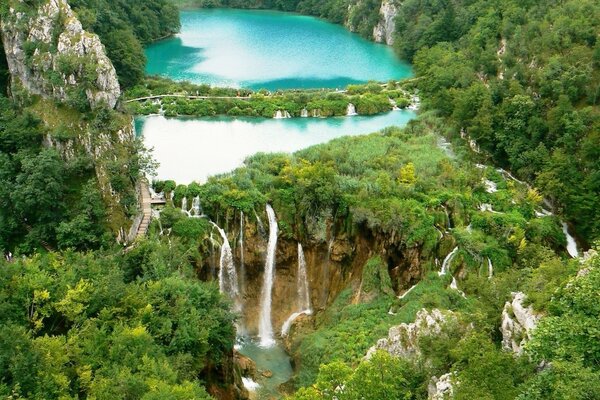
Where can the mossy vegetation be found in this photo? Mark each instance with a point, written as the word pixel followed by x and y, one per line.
pixel 160 95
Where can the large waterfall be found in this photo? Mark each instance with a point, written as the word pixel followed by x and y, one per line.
pixel 447 261
pixel 265 327
pixel 242 262
pixel 571 243
pixel 302 291
pixel 228 280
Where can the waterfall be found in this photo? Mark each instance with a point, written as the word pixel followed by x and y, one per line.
pixel 490 269
pixel 261 227
pixel 265 327
pixel 449 221
pixel 242 262
pixel 303 290
pixel 571 243
pixel 490 186
pixel 184 204
pixel 285 328
pixel 196 207
pixel 249 384
pixel 212 256
pixel 447 261
pixel 303 293
pixel 228 280
pixel 316 113
pixel 351 110
pixel 403 295
pixel 454 286
pixel 393 104
pixel 282 114
pixel 304 113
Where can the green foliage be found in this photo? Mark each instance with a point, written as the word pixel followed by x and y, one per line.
pixel 124 26
pixel 88 326
pixel 520 79
pixel 369 99
pixel 381 377
pixel 570 332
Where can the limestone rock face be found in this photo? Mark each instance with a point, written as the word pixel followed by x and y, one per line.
pixel 383 32
pixel 402 340
pixel 518 322
pixel 440 388
pixel 50 54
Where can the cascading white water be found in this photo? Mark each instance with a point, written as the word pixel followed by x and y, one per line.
pixel 303 293
pixel 403 295
pixel 279 114
pixel 304 113
pixel 184 204
pixel 571 243
pixel 454 286
pixel 228 280
pixel 196 206
pixel 447 261
pixel 265 327
pixel 351 110
pixel 490 269
pixel 302 281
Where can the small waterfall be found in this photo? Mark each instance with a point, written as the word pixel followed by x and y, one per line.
pixel 184 204
pixel 490 186
pixel 571 243
pixel 351 110
pixel 261 227
pixel 316 113
pixel 303 293
pixel 212 256
pixel 454 286
pixel 490 269
pixel 279 114
pixel 449 221
pixel 440 232
pixel 285 328
pixel 304 113
pixel 265 327
pixel 249 384
pixel 447 261
pixel 393 104
pixel 228 280
pixel 242 262
pixel 196 207
pixel 302 279
pixel 403 295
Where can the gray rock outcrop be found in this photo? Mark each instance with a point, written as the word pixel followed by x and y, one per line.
pixel 441 388
pixel 384 31
pixel 49 54
pixel 518 322
pixel 402 340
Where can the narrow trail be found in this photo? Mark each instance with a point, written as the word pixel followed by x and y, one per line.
pixel 146 209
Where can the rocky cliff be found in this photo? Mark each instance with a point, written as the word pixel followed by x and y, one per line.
pixel 49 54
pixel 518 322
pixel 386 27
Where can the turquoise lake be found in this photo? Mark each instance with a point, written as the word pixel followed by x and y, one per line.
pixel 271 50
pixel 192 149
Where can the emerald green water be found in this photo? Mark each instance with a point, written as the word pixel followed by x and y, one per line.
pixel 192 149
pixel 271 50
pixel 273 359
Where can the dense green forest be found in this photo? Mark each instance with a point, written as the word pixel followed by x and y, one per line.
pixel 82 317
pixel 125 26
pixel 108 325
pixel 522 79
pixel 48 200
pixel 396 185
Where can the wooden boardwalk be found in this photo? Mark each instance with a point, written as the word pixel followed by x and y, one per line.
pixel 146 209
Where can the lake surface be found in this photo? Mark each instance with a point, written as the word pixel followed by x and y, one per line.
pixel 271 50
pixel 192 149
pixel 273 359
